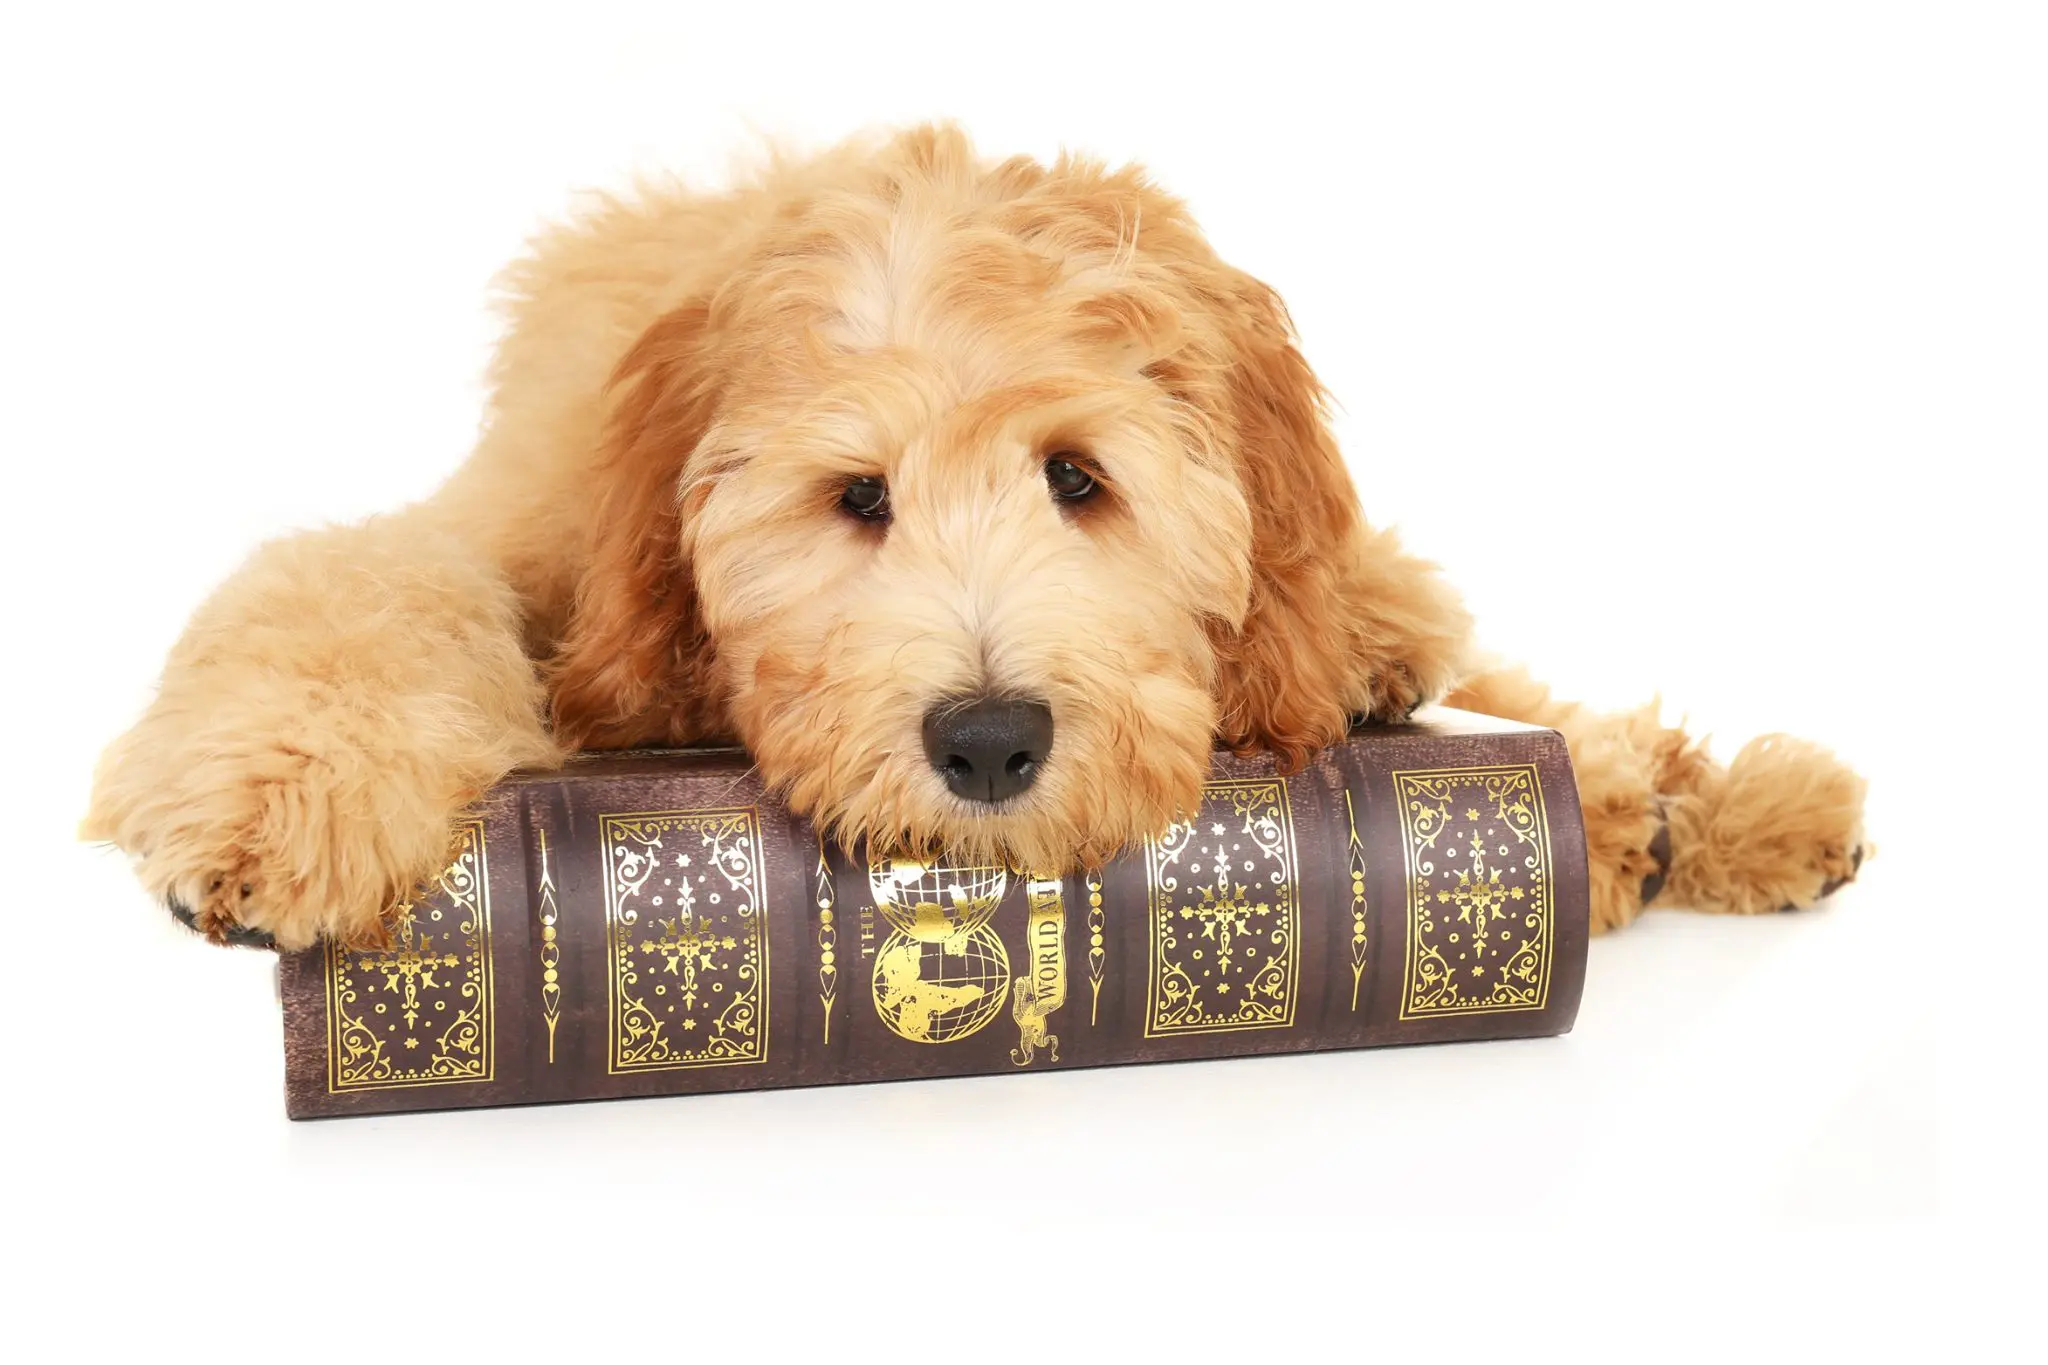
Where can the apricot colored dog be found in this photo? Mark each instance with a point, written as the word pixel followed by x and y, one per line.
pixel 977 499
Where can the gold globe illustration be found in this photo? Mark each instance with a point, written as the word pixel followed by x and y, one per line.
pixel 936 902
pixel 939 992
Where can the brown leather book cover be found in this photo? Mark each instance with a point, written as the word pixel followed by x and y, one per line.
pixel 654 924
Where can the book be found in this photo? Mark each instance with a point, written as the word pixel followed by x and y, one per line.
pixel 654 923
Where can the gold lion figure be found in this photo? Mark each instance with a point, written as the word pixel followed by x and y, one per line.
pixel 1031 1026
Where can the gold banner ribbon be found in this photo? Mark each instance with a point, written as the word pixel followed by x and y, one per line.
pixel 1041 988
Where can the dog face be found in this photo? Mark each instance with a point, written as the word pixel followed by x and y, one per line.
pixel 966 598
pixel 946 500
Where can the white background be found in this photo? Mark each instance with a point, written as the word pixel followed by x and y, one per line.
pixel 1704 345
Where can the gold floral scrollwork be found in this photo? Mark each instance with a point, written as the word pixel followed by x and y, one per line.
pixel 1480 905
pixel 687 939
pixel 828 942
pixel 1097 956
pixel 419 1011
pixel 1358 906
pixel 550 949
pixel 1225 914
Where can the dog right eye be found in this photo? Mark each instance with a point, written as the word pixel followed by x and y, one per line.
pixel 867 499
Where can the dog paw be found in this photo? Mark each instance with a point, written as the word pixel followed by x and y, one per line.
pixel 1783 832
pixel 1836 868
pixel 218 926
pixel 263 842
pixel 1401 689
pixel 1628 838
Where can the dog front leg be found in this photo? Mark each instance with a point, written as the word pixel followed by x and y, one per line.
pixel 325 716
pixel 1357 630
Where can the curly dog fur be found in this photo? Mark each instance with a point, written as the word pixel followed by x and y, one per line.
pixel 649 546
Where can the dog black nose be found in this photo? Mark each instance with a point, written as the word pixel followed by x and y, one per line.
pixel 989 748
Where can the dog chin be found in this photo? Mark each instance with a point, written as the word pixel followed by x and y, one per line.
pixel 1024 832
pixel 1014 832
pixel 1040 831
pixel 1114 788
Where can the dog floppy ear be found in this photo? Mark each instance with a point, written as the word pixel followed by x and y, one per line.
pixel 634 664
pixel 1341 622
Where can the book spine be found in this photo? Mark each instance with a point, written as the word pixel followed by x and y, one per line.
pixel 654 927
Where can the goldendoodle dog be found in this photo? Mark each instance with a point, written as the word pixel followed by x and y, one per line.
pixel 978 499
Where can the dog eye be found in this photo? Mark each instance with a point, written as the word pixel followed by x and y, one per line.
pixel 1068 481
pixel 867 499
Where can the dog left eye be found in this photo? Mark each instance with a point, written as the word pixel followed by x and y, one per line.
pixel 867 499
pixel 1068 481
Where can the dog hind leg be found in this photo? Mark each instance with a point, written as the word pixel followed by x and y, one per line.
pixel 1778 828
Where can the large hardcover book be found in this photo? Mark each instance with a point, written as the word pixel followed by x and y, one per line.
pixel 656 924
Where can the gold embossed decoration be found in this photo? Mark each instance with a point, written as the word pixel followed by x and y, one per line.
pixel 1356 862
pixel 1097 956
pixel 550 950
pixel 1480 916
pixel 828 943
pixel 1225 914
pixel 1041 988
pixel 688 944
pixel 942 973
pixel 419 1012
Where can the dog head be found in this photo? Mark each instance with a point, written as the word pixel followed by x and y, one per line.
pixel 977 502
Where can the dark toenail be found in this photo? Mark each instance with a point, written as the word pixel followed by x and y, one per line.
pixel 240 936
pixel 1855 866
pixel 1659 849
pixel 235 935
